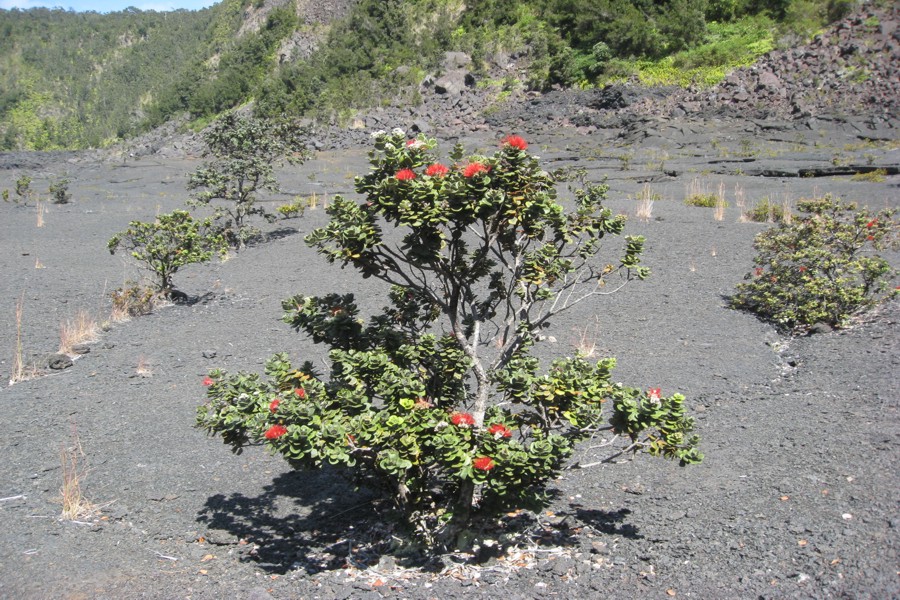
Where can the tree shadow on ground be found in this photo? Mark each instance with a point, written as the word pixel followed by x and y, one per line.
pixel 610 522
pixel 316 521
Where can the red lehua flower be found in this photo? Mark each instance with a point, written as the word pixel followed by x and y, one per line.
pixel 655 394
pixel 475 168
pixel 351 439
pixel 273 405
pixel 436 170
pixel 514 141
pixel 462 419
pixel 758 271
pixel 500 430
pixel 870 237
pixel 872 223
pixel 275 432
pixel 405 175
pixel 802 269
pixel 483 463
pixel 301 393
pixel 208 381
pixel 411 142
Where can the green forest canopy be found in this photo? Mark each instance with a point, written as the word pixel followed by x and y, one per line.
pixel 76 80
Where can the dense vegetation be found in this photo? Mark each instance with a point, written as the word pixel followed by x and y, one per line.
pixel 73 80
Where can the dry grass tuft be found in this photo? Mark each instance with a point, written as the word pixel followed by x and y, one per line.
pixel 719 212
pixel 38 264
pixel 787 210
pixel 18 371
pixel 586 342
pixel 74 505
pixel 645 203
pixel 143 368
pixel 40 213
pixel 80 330
pixel 740 200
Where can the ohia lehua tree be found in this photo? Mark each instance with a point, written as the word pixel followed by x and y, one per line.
pixel 439 399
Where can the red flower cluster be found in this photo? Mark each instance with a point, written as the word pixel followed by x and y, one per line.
pixel 655 394
pixel 802 269
pixel 273 405
pixel 758 271
pixel 275 432
pixel 475 168
pixel 405 175
pixel 514 141
pixel 208 381
pixel 500 430
pixel 872 223
pixel 436 170
pixel 301 393
pixel 462 419
pixel 483 463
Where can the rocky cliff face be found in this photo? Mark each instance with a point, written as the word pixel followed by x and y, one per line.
pixel 852 69
pixel 313 16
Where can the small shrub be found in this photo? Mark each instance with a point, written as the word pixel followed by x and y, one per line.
pixel 874 176
pixel 169 243
pixel 23 189
pixel 245 152
pixel 132 300
pixel 702 200
pixel 292 209
pixel 766 211
pixel 59 191
pixel 821 268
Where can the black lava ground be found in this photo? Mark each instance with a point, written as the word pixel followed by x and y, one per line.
pixel 797 497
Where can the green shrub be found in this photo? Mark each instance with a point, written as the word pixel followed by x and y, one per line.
pixel 703 200
pixel 245 152
pixel 438 401
pixel 766 211
pixel 821 268
pixel 292 209
pixel 169 243
pixel 59 191
pixel 874 176
pixel 23 189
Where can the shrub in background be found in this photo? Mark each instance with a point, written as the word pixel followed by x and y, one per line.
pixel 821 268
pixel 439 400
pixel 245 152
pixel 167 244
pixel 59 191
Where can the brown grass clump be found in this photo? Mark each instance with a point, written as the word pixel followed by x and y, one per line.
pixel 143 368
pixel 645 203
pixel 720 204
pixel 79 330
pixel 18 369
pixel 586 342
pixel 74 504
pixel 740 200
pixel 40 213
pixel 132 300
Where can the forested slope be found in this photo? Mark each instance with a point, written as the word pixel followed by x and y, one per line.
pixel 76 80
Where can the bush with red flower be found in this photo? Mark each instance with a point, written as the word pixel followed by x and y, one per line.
pixel 823 267
pixel 438 397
